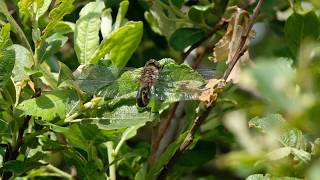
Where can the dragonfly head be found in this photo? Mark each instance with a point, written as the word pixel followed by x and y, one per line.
pixel 153 62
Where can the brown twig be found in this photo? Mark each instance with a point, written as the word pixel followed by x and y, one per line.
pixel 203 116
pixel 242 48
pixel 161 132
pixel 215 29
pixel 164 126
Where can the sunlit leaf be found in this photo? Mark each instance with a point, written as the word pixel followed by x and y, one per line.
pixel 23 63
pixel 63 8
pixel 121 13
pixel 120 45
pixel 55 104
pixel 86 33
pixel 5 36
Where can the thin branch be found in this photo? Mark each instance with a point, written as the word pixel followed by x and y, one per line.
pixel 215 29
pixel 242 48
pixel 163 127
pixel 203 116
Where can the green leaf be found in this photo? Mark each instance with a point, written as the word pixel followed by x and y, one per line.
pixel 274 79
pixel 119 118
pixel 121 13
pixel 64 27
pixel 20 167
pixel 300 27
pixel 160 19
pixel 7 60
pixel 82 135
pixel 86 33
pixel 50 46
pixel 91 78
pixel 14 25
pixel 24 6
pixel 5 36
pixel 196 12
pixel 120 45
pixel 65 7
pixel 269 177
pixel 203 150
pixel 42 9
pixel 165 157
pixel 55 104
pixel 185 37
pixel 65 74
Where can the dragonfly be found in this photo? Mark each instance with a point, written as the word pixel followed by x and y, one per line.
pixel 163 81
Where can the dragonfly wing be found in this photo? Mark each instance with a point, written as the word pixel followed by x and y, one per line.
pixel 124 87
pixel 179 90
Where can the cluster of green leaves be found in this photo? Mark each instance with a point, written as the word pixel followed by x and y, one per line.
pixel 76 53
pixel 83 117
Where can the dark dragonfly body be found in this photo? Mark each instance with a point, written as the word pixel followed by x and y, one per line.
pixel 147 80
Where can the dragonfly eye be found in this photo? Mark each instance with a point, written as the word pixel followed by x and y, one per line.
pixel 154 63
pixel 143 96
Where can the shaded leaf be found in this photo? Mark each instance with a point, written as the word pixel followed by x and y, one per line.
pixel 51 45
pixel 301 27
pixel 7 60
pixel 185 37
pixel 20 167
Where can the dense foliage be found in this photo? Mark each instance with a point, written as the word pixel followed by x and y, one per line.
pixel 69 75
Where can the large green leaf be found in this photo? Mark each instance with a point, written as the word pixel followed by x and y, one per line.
pixel 7 59
pixel 120 45
pixel 81 135
pixel 20 167
pixel 64 7
pixel 119 118
pixel 185 37
pixel 23 63
pixel 86 33
pixel 300 27
pixel 55 104
pixel 91 78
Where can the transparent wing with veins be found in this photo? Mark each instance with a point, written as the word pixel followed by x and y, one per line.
pixel 171 86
